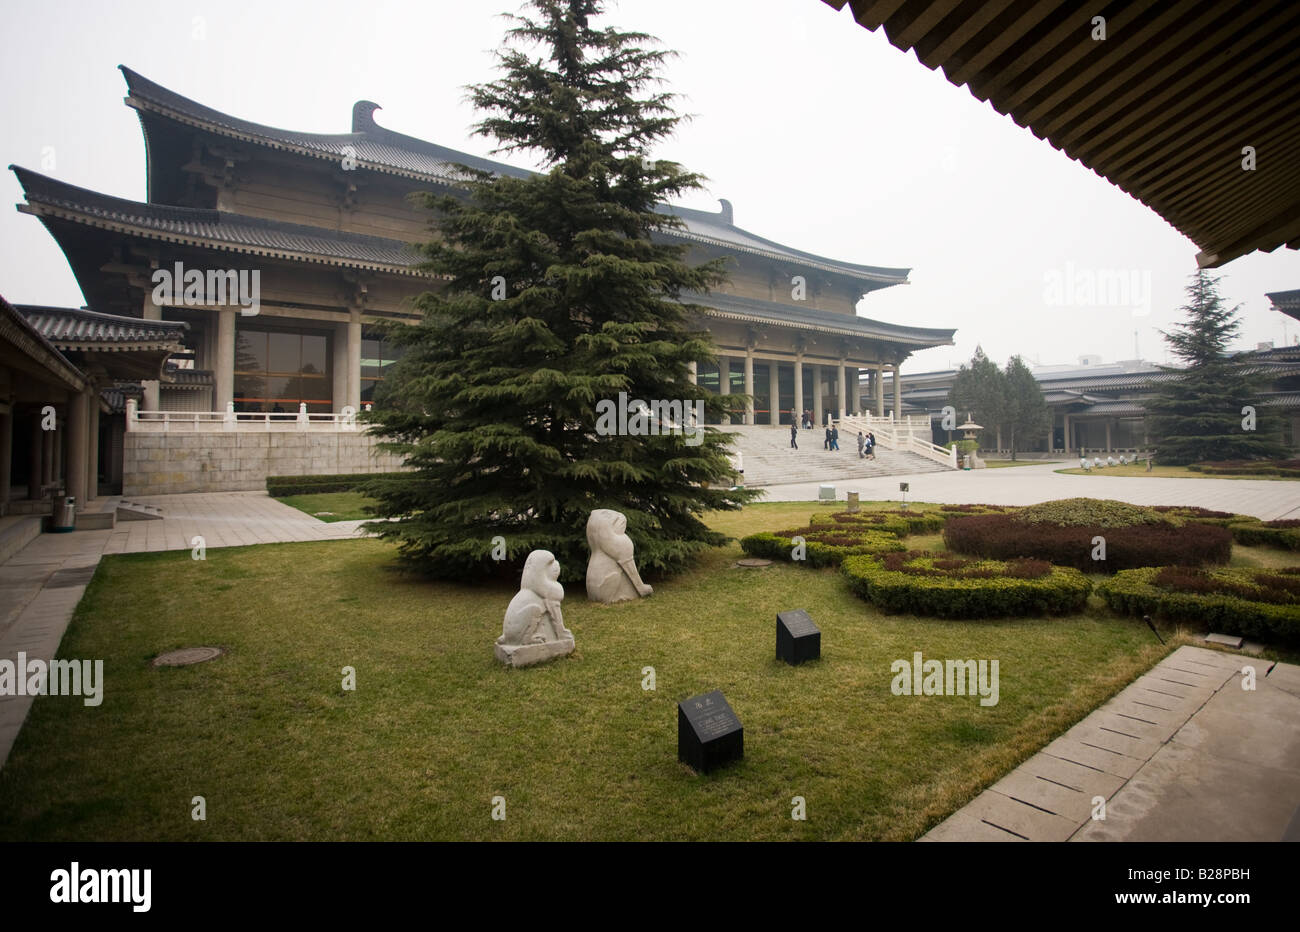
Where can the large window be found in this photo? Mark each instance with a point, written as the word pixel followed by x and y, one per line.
pixel 276 370
pixel 377 358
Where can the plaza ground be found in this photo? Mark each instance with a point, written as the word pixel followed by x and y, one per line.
pixel 436 728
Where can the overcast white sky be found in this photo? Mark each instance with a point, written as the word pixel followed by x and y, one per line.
pixel 821 134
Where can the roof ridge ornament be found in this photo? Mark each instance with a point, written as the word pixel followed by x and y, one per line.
pixel 363 116
pixel 726 211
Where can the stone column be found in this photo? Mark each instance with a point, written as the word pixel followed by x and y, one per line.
pixel 78 433
pixel 35 458
pixel 724 382
pixel 152 393
pixel 749 384
pixel 6 456
pixel 51 454
pixel 92 444
pixel 841 393
pixel 880 391
pixel 798 390
pixel 898 393
pixel 224 370
pixel 354 360
pixel 1065 420
pixel 1107 435
pixel 817 396
pixel 854 376
pixel 340 349
pixel 774 392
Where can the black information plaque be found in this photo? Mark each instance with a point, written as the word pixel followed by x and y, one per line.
pixel 708 732
pixel 797 638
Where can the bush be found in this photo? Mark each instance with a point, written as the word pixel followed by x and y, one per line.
pixel 1196 515
pixel 1287 468
pixel 933 584
pixel 897 522
pixel 822 546
pixel 1093 513
pixel 1002 537
pixel 950 510
pixel 280 486
pixel 1246 602
pixel 1260 534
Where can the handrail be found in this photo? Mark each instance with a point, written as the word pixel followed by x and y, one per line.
pixel 240 422
pixel 900 435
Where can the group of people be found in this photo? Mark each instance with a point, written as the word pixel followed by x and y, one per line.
pixel 866 442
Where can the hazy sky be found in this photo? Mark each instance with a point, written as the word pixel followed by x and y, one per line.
pixel 821 134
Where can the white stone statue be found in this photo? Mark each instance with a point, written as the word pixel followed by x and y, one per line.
pixel 1110 461
pixel 1096 461
pixel 533 629
pixel 1083 463
pixel 611 572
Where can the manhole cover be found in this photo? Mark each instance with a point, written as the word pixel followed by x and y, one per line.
pixel 186 656
pixel 752 564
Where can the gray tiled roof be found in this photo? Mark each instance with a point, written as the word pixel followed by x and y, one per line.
pixel 176 377
pixel 752 309
pixel 76 328
pixel 380 149
pixel 216 228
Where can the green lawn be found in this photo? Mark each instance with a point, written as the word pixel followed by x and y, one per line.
pixel 1158 472
pixel 331 506
pixel 436 727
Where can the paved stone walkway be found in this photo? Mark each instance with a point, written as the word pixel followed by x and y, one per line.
pixel 42 583
pixel 1184 753
pixel 1027 485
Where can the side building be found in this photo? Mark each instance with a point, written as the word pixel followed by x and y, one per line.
pixel 327 223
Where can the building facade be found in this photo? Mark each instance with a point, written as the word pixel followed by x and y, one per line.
pixel 322 228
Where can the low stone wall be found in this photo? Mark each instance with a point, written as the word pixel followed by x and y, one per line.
pixel 166 463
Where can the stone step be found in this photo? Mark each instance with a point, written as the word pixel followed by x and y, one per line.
pixel 136 511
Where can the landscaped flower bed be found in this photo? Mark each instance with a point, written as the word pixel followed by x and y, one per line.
pixel 1066 533
pixel 1248 602
pixel 823 546
pixel 927 583
pixel 1287 468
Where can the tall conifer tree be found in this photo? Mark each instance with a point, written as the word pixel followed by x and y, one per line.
pixel 1212 409
pixel 560 295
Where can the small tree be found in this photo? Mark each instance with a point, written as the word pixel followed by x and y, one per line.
pixel 1211 410
pixel 559 297
pixel 980 391
pixel 1026 412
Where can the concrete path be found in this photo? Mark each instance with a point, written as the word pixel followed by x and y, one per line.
pixel 1027 485
pixel 41 584
pixel 1184 753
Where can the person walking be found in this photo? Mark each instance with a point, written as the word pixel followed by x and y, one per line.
pixel 862 442
pixel 794 436
pixel 835 438
pixel 827 444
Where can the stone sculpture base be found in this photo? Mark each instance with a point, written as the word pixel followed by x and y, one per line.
pixel 525 655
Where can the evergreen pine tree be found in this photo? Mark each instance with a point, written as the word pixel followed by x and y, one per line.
pixel 979 391
pixel 559 296
pixel 1211 410
pixel 1026 413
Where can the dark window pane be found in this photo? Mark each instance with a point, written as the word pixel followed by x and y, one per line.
pixel 314 357
pixel 285 353
pixel 250 351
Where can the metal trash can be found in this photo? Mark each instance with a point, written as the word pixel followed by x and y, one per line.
pixel 65 516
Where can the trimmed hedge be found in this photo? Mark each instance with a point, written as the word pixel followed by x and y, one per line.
pixel 1221 604
pixel 922 583
pixel 1092 513
pixel 280 486
pixel 822 546
pixel 901 523
pixel 1268 534
pixel 1002 537
pixel 1287 468
pixel 1196 515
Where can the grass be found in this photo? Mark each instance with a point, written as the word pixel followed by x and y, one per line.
pixel 1005 464
pixel 436 727
pixel 1157 472
pixel 331 506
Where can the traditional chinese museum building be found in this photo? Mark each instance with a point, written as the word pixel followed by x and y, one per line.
pixel 327 222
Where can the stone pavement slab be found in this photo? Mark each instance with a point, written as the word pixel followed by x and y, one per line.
pixel 1028 485
pixel 1182 753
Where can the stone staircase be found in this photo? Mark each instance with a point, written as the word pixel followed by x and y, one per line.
pixel 769 460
